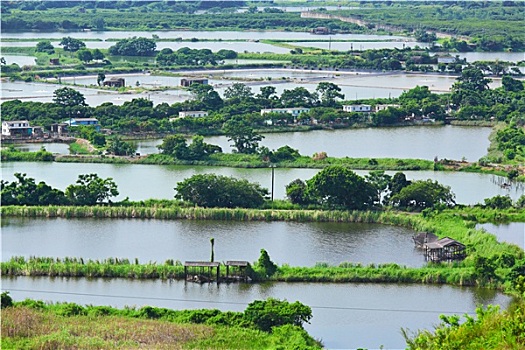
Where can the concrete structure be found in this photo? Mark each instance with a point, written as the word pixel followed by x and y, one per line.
pixel 194 114
pixel 16 128
pixel 115 82
pixel 295 111
pixel 189 82
pixel 357 108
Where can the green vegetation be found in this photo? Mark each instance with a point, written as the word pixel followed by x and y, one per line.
pixel 490 328
pixel 88 190
pixel 35 324
pixel 12 154
pixel 210 190
pixel 108 16
pixel 484 23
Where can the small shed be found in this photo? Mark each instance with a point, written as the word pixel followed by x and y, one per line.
pixel 115 82
pixel 237 271
pixel 445 249
pixel 201 271
pixel 54 61
pixel 423 238
pixel 189 82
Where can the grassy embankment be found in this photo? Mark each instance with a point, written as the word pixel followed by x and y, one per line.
pixel 35 325
pixel 455 223
pixel 254 161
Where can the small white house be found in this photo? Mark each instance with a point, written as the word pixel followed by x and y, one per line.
pixel 16 128
pixel 357 108
pixel 295 111
pixel 194 114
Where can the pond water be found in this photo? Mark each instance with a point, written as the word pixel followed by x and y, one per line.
pixel 187 240
pixel 345 316
pixel 187 35
pixel 355 85
pixel 53 147
pixel 140 182
pixel 21 60
pixel 424 142
pixel 490 56
pixel 513 232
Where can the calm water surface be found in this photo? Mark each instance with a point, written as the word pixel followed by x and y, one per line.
pixel 216 35
pixel 513 232
pixel 140 182
pixel 344 315
pixel 158 240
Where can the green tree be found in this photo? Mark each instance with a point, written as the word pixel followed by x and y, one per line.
pixel 298 97
pixel 206 95
pixel 244 138
pixel 85 55
pixel 296 191
pixel 511 84
pixel 265 265
pixel 175 145
pixel 238 91
pixel 6 300
pixel 90 189
pixel 71 44
pixel 498 202
pixel 45 46
pixel 210 190
pixel 98 55
pixel 328 93
pixel 423 194
pixel 267 92
pixel 337 186
pixel 274 313
pixel 119 147
pixel 25 191
pixel 133 47
pixel 68 97
pixel 100 78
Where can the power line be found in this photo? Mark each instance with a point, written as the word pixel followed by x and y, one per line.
pixel 239 303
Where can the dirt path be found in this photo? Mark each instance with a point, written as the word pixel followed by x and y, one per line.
pixel 85 144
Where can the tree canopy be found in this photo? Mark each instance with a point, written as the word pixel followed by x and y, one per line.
pixel 337 186
pixel 210 190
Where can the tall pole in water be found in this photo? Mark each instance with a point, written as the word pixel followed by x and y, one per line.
pixel 273 179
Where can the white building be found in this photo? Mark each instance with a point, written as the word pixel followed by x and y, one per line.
pixel 16 127
pixel 378 108
pixel 194 114
pixel 295 111
pixel 357 108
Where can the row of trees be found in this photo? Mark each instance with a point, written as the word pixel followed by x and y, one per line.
pixel 192 57
pixel 89 189
pixel 334 187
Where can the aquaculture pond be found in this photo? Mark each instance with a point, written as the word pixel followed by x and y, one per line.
pixel 345 316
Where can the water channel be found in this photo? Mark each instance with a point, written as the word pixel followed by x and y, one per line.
pixel 344 315
pixel 513 232
pixel 140 182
